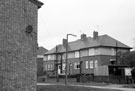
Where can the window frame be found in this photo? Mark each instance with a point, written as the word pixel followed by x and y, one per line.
pixel 91 64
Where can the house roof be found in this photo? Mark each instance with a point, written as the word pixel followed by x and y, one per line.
pixel 36 2
pixel 101 41
pixel 41 51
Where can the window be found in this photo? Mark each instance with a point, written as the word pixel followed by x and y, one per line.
pixel 112 51
pixel 53 57
pixel 91 51
pixel 63 66
pixel 59 57
pixel 71 55
pixel 64 56
pixel 49 57
pixel 84 52
pixel 96 51
pixel 77 54
pixel 86 65
pixel 48 66
pixel 45 58
pixel 76 65
pixel 96 63
pixel 91 64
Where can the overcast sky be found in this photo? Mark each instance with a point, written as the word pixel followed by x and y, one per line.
pixel 59 17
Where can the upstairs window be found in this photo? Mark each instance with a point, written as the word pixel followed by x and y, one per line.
pixel 112 51
pixel 64 56
pixel 45 58
pixel 84 52
pixel 77 54
pixel 71 55
pixel 49 57
pixel 91 51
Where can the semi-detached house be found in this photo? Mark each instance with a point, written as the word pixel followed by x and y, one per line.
pixel 87 55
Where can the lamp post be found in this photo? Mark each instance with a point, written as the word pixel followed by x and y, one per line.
pixel 67 57
pixel 56 64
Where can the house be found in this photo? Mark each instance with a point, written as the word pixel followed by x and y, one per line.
pixel 87 55
pixel 18 44
pixel 40 56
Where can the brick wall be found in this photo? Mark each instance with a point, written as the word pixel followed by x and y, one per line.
pixel 102 60
pixel 17 48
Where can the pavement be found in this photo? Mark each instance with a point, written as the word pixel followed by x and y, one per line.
pixel 96 85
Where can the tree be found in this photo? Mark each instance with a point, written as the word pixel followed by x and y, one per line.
pixel 133 74
pixel 127 58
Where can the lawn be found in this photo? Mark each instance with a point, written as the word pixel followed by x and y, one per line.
pixel 68 88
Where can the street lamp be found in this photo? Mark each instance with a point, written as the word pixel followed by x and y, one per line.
pixel 67 57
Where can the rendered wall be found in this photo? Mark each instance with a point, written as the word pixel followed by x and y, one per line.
pixel 18 48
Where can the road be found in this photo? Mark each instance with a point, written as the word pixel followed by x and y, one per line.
pixel 110 87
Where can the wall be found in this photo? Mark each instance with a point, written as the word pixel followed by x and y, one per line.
pixel 102 55
pixel 83 59
pixel 101 71
pixel 17 48
pixel 105 59
pixel 46 63
pixel 101 60
pixel 40 67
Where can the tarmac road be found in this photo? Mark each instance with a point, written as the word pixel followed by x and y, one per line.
pixel 112 86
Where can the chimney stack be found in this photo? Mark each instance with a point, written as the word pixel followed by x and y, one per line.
pixel 64 42
pixel 83 36
pixel 95 35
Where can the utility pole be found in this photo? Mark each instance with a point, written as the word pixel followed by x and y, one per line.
pixel 67 57
pixel 80 66
pixel 56 64
pixel 116 52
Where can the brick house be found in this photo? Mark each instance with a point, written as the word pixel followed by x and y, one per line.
pixel 40 56
pixel 87 55
pixel 18 44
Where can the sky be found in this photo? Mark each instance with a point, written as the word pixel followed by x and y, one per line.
pixel 57 18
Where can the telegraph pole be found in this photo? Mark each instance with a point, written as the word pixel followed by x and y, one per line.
pixel 66 61
pixel 67 57
pixel 56 65
pixel 116 52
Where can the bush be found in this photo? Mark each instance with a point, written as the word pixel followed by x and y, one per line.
pixel 133 74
